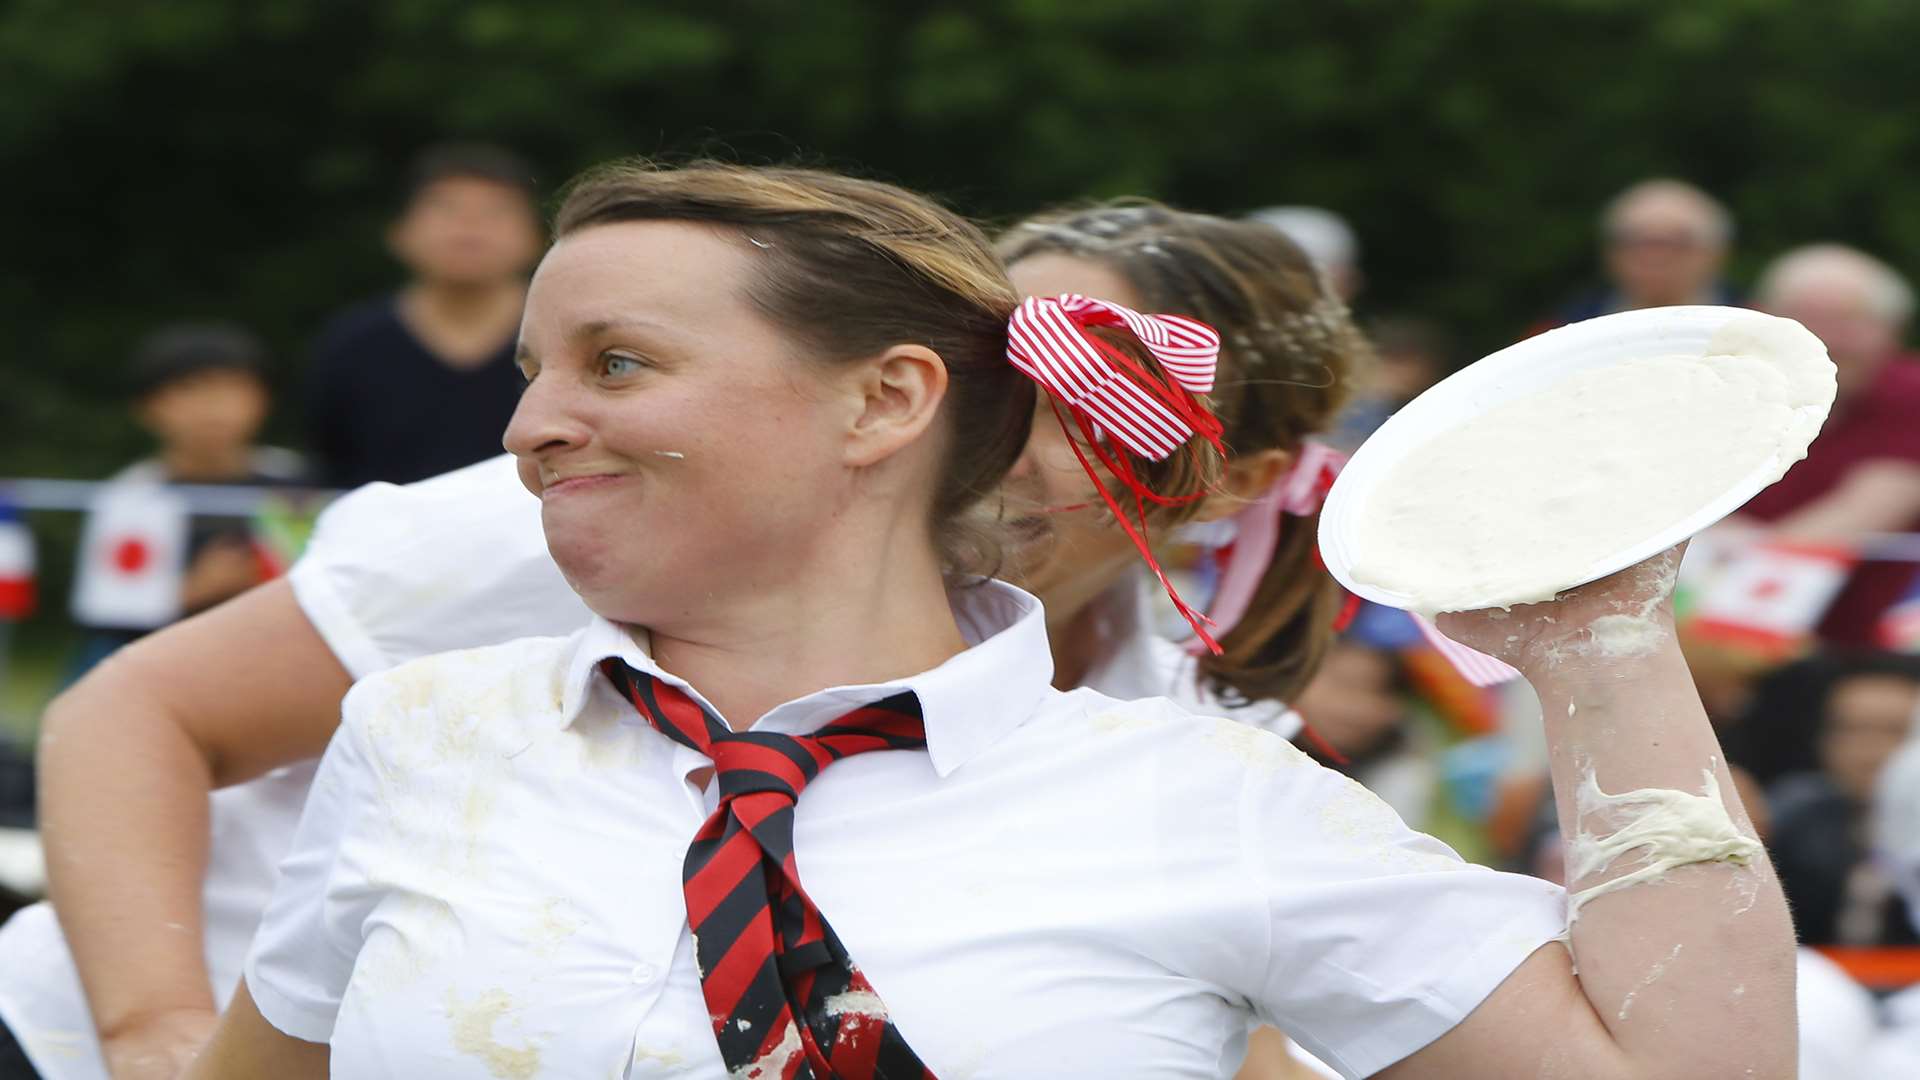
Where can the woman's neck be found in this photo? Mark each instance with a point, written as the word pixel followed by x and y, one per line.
pixel 1079 629
pixel 847 627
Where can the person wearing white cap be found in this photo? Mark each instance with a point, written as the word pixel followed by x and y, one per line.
pixel 1327 239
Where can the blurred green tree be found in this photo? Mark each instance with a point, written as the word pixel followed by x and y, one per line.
pixel 238 158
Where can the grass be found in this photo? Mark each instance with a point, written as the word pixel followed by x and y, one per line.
pixel 35 665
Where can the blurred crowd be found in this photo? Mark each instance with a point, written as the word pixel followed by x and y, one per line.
pixel 1799 613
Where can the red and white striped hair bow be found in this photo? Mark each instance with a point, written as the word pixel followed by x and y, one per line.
pixel 1047 339
pixel 1114 398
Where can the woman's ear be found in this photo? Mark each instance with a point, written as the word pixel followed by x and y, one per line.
pixel 1248 477
pixel 898 395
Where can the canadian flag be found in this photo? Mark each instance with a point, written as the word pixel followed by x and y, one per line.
pixel 132 558
pixel 1767 598
pixel 16 566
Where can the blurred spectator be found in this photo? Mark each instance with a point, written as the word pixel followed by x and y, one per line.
pixel 1863 473
pixel 1896 842
pixel 1360 703
pixel 1773 734
pixel 1820 836
pixel 1326 238
pixel 1411 729
pixel 1410 355
pixel 146 559
pixel 1896 822
pixel 1663 242
pixel 421 382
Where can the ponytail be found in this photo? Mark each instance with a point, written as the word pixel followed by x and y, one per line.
pixel 1274 650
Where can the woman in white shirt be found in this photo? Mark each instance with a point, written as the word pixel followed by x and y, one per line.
pixel 751 392
pixel 395 573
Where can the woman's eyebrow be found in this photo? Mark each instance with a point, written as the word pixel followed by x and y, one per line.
pixel 596 327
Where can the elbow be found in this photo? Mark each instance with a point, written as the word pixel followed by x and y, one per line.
pixel 114 712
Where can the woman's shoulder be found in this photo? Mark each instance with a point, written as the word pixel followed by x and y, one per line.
pixel 491 693
pixel 1194 739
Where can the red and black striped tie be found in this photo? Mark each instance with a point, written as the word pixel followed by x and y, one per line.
pixel 786 1001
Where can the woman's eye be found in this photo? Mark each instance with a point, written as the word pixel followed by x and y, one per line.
pixel 618 364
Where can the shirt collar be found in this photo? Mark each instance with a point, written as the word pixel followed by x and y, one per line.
pixel 969 702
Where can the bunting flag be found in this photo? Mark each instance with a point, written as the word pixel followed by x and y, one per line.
pixel 1767 598
pixel 280 531
pixel 132 558
pixel 17 588
pixel 1899 626
pixel 1473 665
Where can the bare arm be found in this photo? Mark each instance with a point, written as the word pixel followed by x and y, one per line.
pixel 127 758
pixel 1269 1057
pixel 245 1047
pixel 1690 974
pixel 1875 496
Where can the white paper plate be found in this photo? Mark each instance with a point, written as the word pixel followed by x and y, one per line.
pixel 1516 371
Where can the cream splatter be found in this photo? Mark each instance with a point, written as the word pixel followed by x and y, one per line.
pixel 673 454
pixel 1636 630
pixel 554 922
pixel 864 1003
pixel 644 1054
pixel 1255 748
pixel 774 1062
pixel 1653 976
pixel 1368 826
pixel 473 1035
pixel 57 1041
pixel 1668 829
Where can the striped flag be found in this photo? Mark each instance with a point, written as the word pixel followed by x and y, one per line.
pixel 17 590
pixel 1473 665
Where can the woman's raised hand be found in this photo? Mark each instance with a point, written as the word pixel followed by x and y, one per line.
pixel 1598 625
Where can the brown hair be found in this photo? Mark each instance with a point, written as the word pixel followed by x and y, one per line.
pixel 851 268
pixel 1288 354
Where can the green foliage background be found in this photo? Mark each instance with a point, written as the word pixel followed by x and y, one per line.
pixel 238 158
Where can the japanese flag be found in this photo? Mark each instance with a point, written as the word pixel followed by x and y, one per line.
pixel 132 558
pixel 1768 597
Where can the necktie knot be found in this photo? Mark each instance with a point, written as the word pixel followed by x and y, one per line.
pixel 750 763
pixel 771 967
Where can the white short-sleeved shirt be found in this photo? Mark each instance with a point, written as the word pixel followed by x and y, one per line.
pixel 1143 663
pixel 392 573
pixel 486 880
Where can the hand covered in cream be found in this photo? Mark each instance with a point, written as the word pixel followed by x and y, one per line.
pixel 1619 617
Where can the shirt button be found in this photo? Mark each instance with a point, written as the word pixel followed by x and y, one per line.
pixel 644 973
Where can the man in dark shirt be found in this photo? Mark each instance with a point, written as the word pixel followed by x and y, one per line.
pixel 415 384
pixel 1663 242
